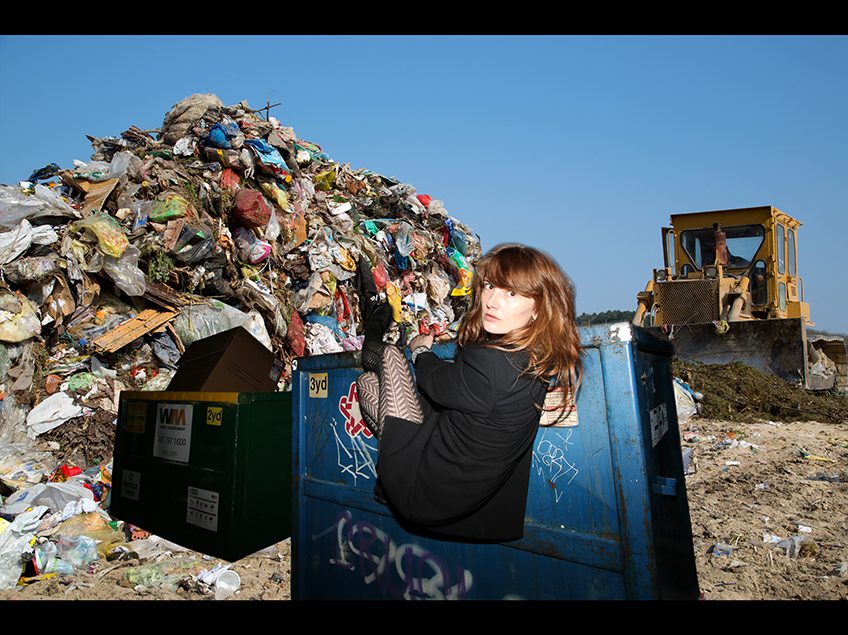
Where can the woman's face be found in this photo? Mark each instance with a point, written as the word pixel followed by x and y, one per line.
pixel 505 310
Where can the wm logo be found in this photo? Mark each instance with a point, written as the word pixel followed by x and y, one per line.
pixel 172 417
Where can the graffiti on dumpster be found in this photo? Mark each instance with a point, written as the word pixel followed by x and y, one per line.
pixel 408 571
pixel 357 460
pixel 349 407
pixel 550 462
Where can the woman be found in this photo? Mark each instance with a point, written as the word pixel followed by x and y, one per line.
pixel 455 460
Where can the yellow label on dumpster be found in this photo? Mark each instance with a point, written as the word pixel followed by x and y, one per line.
pixel 318 384
pixel 214 416
pixel 136 414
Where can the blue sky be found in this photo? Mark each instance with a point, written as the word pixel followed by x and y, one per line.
pixel 580 145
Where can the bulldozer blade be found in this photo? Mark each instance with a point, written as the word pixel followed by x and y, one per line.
pixel 833 347
pixel 777 347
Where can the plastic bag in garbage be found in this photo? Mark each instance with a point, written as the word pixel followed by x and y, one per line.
pixel 276 195
pixel 19 319
pixel 225 134
pixel 47 560
pixel 320 340
pixel 110 235
pixel 686 407
pixel 251 209
pixel 185 147
pixel 170 207
pixel 125 272
pixel 30 269
pixel 94 171
pixel 80 551
pixel 51 413
pixel 251 249
pixel 14 542
pixel 268 157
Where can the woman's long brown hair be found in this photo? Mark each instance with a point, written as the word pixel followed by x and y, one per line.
pixel 551 339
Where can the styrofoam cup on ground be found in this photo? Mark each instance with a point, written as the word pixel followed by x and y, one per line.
pixel 227 584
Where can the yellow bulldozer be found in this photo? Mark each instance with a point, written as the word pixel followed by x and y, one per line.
pixel 730 291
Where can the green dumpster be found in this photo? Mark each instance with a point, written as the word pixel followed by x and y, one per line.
pixel 210 471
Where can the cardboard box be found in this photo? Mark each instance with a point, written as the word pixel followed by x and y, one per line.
pixel 232 361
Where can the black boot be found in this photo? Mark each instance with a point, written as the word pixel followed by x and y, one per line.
pixel 373 345
pixel 376 317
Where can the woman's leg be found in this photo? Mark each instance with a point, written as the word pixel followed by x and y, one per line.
pixel 368 389
pixel 398 394
pixel 392 393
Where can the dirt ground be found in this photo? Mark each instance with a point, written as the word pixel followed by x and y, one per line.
pixel 753 480
pixel 748 480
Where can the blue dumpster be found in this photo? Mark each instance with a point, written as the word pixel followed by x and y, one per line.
pixel 607 514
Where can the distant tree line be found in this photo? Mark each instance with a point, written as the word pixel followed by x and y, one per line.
pixel 604 317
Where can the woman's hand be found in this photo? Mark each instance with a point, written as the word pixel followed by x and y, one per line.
pixel 421 340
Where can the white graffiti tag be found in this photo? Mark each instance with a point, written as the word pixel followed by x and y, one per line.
pixel 408 571
pixel 357 460
pixel 550 457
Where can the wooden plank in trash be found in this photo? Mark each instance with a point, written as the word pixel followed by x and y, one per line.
pixel 126 332
pixel 163 295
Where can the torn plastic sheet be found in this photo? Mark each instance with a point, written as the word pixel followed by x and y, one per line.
pixel 54 496
pixel 13 426
pixel 202 320
pixel 273 229
pixel 17 241
pixel 328 322
pixel 153 546
pixel 51 413
pixel 685 404
pixel 320 340
pixel 42 202
pixel 417 302
pixel 185 146
pixel 268 156
pixel 16 541
pixel 19 462
pixel 257 295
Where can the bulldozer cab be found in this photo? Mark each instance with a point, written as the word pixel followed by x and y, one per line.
pixel 760 243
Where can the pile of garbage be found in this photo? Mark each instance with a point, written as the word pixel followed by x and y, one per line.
pixel 737 392
pixel 221 218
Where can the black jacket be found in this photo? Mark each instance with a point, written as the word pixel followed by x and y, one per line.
pixel 465 471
